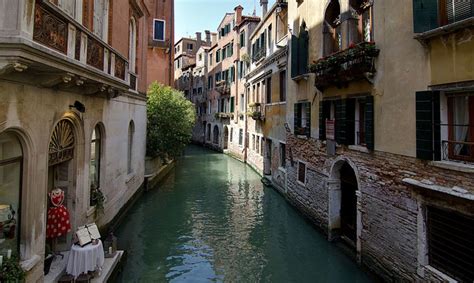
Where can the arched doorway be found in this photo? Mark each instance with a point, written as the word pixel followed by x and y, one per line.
pixel 226 137
pixel 348 203
pixel 215 132
pixel 61 175
pixel 344 216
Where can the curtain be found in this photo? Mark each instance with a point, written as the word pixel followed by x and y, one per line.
pixel 461 121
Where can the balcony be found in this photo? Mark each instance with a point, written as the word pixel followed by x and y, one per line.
pixel 224 115
pixel 62 53
pixel 223 87
pixel 338 69
pixel 260 54
pixel 256 112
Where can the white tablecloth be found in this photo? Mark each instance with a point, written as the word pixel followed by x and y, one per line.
pixel 84 259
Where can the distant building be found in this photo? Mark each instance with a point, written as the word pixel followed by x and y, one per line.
pixel 73 78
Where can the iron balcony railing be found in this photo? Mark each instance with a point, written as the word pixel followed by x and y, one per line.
pixel 259 54
pixel 344 66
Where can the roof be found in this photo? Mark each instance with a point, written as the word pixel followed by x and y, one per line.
pixel 267 15
pixel 226 15
pixel 183 38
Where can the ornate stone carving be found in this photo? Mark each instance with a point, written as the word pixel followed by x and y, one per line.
pixel 119 68
pixel 61 145
pixel 50 30
pixel 95 53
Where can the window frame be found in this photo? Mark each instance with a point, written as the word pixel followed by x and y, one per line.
pixel 305 164
pixel 164 29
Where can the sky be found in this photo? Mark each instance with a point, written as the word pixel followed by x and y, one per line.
pixel 192 16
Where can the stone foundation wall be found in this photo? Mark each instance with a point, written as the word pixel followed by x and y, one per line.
pixel 388 241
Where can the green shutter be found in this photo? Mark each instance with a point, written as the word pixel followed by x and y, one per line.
pixel 425 15
pixel 428 138
pixel 307 106
pixel 350 121
pixel 369 122
pixel 232 103
pixel 303 53
pixel 340 123
pixel 294 56
pixel 232 74
pixel 297 118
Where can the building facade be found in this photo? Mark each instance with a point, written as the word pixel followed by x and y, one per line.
pixel 378 154
pixel 72 115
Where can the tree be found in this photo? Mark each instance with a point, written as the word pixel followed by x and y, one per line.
pixel 170 121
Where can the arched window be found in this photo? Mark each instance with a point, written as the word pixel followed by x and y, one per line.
pixel 361 28
pixel 101 18
pixel 332 37
pixel 132 52
pixel 131 132
pixel 95 161
pixel 11 158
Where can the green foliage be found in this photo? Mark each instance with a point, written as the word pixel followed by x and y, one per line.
pixel 11 271
pixel 97 199
pixel 170 121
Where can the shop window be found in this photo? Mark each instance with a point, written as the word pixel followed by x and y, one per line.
pixel 95 161
pixel 131 132
pixel 301 172
pixel 302 119
pixel 11 158
pixel 159 30
pixel 450 237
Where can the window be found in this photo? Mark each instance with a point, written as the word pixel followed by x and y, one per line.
pixel 257 144
pixel 433 14
pixel 95 161
pixel 242 39
pixel 283 85
pixel 241 137
pixel 362 30
pixel 302 172
pixel 232 104
pixel 131 132
pixel 302 119
pixel 242 103
pixel 159 30
pixel 210 59
pixel 450 238
pixel 218 56
pixel 332 37
pixel 190 46
pixel 270 42
pixel 101 16
pixel 11 159
pixel 200 57
pixel 282 155
pixel 460 143
pixel 231 134
pixel 215 133
pixel 209 82
pixel 253 142
pixel 199 90
pixel 132 52
pixel 299 52
pixel 69 6
pixel 218 77
pixel 268 89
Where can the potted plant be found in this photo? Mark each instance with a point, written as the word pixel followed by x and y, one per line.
pixel 11 271
pixel 97 199
pixel 48 259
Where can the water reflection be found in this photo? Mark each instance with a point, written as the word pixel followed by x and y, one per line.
pixel 212 220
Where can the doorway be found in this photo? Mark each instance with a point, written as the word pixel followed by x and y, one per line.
pixel 267 165
pixel 348 203
pixel 226 137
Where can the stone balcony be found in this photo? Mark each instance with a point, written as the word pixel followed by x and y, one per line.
pixel 59 52
pixel 339 69
pixel 223 87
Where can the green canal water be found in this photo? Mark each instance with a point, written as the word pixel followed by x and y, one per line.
pixel 212 220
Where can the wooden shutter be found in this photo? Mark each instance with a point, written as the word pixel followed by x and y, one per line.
pixel 307 109
pixel 428 137
pixel 303 53
pixel 340 123
pixel 324 113
pixel 350 121
pixel 297 118
pixel 369 122
pixel 425 15
pixel 232 104
pixel 294 56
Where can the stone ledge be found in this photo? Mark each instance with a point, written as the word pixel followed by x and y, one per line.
pixel 28 264
pixel 454 191
pixel 455 166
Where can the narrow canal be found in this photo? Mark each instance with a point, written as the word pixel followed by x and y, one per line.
pixel 212 220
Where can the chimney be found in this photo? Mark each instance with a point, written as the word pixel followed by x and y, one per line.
pixel 264 4
pixel 214 37
pixel 238 14
pixel 208 37
pixel 198 38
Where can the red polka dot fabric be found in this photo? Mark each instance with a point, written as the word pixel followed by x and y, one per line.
pixel 57 224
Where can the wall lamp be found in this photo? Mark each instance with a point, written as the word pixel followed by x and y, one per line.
pixel 79 106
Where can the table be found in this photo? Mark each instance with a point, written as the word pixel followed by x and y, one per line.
pixel 84 259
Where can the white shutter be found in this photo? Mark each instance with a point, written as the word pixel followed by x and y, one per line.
pixel 98 17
